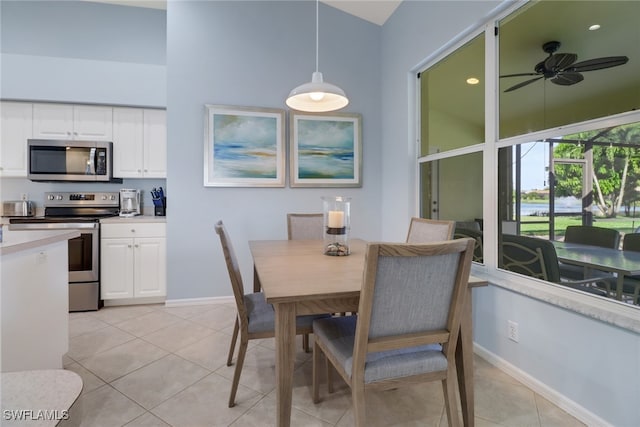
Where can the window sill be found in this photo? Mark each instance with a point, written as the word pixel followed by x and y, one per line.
pixel 616 313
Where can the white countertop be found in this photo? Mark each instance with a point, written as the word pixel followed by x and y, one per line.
pixel 37 396
pixel 16 241
pixel 133 219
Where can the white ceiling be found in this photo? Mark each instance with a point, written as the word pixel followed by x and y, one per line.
pixel 376 11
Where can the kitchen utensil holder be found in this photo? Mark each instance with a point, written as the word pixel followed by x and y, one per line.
pixel 160 209
pixel 337 224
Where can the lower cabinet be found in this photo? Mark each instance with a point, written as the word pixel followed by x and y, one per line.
pixel 133 260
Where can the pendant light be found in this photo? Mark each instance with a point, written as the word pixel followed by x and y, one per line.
pixel 317 96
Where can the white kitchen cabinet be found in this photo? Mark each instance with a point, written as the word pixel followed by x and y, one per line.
pixel 79 122
pixel 133 260
pixel 140 143
pixel 15 128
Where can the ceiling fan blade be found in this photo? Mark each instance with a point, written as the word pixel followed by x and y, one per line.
pixel 567 78
pixel 560 61
pixel 524 83
pixel 520 75
pixel 598 63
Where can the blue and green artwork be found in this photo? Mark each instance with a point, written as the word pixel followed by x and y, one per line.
pixel 245 146
pixel 326 149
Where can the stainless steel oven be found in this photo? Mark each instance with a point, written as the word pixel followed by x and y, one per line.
pixel 81 212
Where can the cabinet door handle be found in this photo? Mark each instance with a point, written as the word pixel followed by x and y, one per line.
pixel 128 246
pixel 133 230
pixel 137 246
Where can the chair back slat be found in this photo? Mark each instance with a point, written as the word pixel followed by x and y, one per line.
pixel 631 242
pixel 234 270
pixel 463 233
pixel 305 226
pixel 594 236
pixel 531 256
pixel 422 230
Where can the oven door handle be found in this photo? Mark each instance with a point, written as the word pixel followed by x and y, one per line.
pixel 55 226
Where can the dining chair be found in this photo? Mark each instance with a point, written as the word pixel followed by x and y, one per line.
pixel 461 233
pixel 255 318
pixel 305 226
pixel 588 235
pixel 423 230
pixel 631 287
pixel 407 324
pixel 536 257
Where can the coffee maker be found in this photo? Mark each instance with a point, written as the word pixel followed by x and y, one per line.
pixel 129 202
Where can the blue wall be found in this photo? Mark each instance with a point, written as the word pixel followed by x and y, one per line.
pixel 252 54
pixel 76 51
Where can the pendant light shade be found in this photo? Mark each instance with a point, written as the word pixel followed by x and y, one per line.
pixel 317 96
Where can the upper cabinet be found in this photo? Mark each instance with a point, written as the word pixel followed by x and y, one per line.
pixel 15 128
pixel 79 122
pixel 140 143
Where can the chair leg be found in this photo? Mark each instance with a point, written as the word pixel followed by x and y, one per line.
pixel 329 376
pixel 242 351
pixel 316 372
pixel 357 395
pixel 305 343
pixel 450 400
pixel 233 343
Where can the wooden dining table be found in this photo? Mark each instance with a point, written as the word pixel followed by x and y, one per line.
pixel 298 279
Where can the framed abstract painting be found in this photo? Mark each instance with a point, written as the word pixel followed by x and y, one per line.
pixel 244 147
pixel 325 150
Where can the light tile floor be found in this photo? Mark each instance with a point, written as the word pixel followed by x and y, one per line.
pixel 151 365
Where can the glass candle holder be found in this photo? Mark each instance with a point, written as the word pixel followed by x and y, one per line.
pixel 337 223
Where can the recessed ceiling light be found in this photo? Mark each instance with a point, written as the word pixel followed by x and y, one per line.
pixel 594 27
pixel 473 81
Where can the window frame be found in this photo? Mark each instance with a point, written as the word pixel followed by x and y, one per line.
pixel 603 309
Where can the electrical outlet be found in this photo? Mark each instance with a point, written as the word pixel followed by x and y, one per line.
pixel 24 196
pixel 512 331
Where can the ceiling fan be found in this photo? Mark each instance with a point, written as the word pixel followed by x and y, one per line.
pixel 562 68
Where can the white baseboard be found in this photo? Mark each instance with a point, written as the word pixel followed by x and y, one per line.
pixel 198 301
pixel 560 400
pixel 133 301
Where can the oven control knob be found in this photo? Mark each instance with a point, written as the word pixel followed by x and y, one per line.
pixel 104 197
pixel 58 197
pixel 50 197
pixel 113 197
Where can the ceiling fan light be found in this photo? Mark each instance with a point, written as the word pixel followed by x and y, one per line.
pixel 594 27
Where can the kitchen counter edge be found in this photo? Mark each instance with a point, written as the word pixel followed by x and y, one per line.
pixel 18 241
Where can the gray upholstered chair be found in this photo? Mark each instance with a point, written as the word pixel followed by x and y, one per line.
pixel 588 235
pixel 301 226
pixel 423 230
pixel 255 319
pixel 537 258
pixel 407 324
pixel 461 233
pixel 305 226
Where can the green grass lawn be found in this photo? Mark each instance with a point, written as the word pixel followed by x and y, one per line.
pixel 622 224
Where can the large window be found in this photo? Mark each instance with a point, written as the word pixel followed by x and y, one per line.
pixel 566 147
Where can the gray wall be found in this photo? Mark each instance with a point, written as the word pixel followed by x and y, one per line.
pixel 252 54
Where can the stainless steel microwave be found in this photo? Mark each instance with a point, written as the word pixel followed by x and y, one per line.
pixel 59 160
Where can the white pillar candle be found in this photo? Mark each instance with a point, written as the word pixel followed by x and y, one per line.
pixel 336 219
